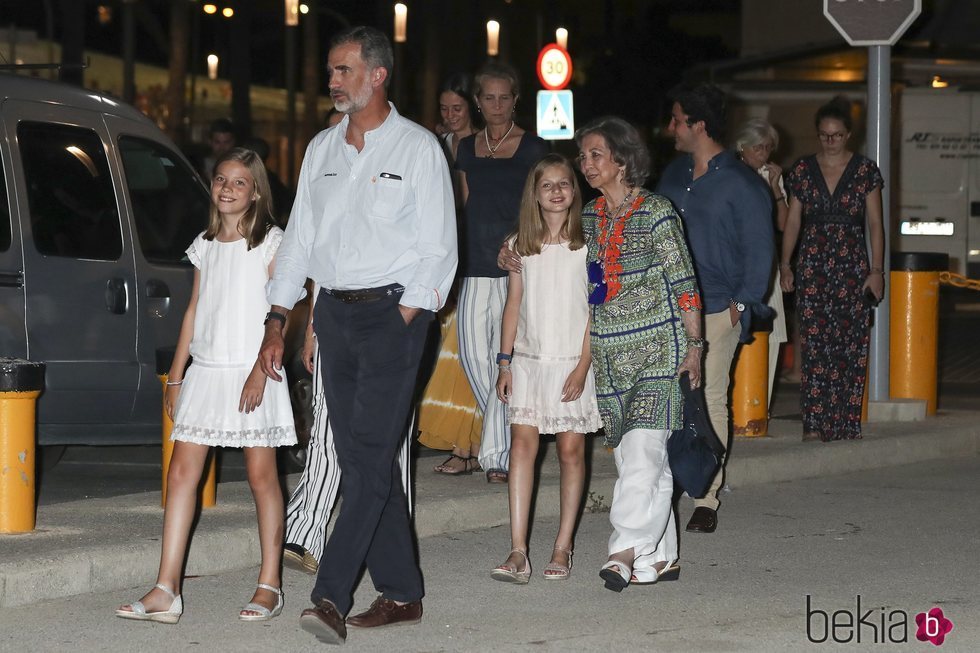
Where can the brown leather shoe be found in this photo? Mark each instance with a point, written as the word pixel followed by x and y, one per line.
pixel 325 622
pixel 384 612
pixel 704 520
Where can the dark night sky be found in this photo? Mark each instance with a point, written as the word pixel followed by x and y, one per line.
pixel 627 53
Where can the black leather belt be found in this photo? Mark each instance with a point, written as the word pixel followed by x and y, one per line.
pixel 365 294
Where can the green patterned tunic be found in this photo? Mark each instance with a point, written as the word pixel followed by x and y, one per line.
pixel 638 339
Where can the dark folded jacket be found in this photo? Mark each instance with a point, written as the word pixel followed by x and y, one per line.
pixel 694 452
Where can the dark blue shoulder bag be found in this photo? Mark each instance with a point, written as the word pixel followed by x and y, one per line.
pixel 694 451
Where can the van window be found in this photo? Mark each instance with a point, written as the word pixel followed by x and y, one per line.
pixel 170 206
pixel 5 228
pixel 69 192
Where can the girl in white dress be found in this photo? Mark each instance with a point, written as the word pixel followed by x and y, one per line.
pixel 545 374
pixel 222 399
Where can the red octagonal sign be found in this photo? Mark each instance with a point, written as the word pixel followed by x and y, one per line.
pixel 871 22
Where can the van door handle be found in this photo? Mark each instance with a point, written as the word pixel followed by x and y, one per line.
pixel 11 278
pixel 157 298
pixel 116 296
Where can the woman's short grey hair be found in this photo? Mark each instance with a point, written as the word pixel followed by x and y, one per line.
pixel 375 47
pixel 625 144
pixel 755 131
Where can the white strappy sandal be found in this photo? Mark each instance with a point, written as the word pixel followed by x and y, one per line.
pixel 507 573
pixel 264 613
pixel 616 574
pixel 137 610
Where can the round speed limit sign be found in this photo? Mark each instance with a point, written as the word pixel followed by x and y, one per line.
pixel 554 67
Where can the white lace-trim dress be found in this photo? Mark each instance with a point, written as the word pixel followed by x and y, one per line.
pixel 550 331
pixel 228 332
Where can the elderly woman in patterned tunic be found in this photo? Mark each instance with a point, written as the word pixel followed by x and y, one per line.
pixel 646 330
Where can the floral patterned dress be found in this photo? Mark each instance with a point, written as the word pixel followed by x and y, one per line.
pixel 834 321
pixel 637 337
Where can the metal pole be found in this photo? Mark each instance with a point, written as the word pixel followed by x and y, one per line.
pixel 290 103
pixel 879 149
pixel 129 52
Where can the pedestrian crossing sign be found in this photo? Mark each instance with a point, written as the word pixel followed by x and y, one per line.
pixel 556 118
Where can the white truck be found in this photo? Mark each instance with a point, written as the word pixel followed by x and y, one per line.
pixel 939 176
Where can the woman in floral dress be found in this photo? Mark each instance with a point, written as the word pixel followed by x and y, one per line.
pixel 834 194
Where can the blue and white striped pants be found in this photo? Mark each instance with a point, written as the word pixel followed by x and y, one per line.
pixel 481 308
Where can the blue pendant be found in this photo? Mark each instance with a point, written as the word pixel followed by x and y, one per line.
pixel 595 272
pixel 598 294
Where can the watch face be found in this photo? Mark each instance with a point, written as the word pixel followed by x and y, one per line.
pixel 739 307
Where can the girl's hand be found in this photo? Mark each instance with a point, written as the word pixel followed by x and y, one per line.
pixel 508 260
pixel 252 392
pixel 574 384
pixel 786 278
pixel 504 386
pixel 875 281
pixel 309 346
pixel 170 399
pixel 692 365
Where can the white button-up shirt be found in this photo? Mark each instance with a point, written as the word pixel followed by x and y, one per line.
pixel 371 218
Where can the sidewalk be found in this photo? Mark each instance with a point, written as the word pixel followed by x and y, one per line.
pixel 104 544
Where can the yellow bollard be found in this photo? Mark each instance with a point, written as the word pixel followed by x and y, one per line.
pixel 209 489
pixel 914 327
pixel 21 383
pixel 750 390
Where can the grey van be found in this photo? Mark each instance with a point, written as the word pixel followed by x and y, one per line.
pixel 96 209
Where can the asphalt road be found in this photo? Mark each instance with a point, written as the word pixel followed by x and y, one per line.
pixel 903 539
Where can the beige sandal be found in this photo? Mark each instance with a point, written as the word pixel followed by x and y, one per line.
pixel 507 573
pixel 558 571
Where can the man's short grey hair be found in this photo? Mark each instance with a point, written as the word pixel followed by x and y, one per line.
pixel 375 47
pixel 754 132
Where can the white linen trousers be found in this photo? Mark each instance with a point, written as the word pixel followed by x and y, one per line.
pixel 642 513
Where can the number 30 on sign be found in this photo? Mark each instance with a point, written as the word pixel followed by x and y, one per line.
pixel 554 67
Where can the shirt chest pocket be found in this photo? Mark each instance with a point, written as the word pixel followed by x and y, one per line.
pixel 389 198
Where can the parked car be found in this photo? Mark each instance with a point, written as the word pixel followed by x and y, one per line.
pixel 96 209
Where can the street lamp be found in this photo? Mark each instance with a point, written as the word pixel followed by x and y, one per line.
pixel 493 38
pixel 292 13
pixel 561 38
pixel 212 66
pixel 401 21
pixel 210 9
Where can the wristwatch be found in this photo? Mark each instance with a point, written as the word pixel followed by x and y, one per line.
pixel 739 306
pixel 273 315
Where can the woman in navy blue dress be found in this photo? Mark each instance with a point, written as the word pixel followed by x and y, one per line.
pixel 836 199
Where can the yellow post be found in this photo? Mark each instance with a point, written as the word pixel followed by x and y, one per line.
pixel 209 489
pixel 914 326
pixel 750 391
pixel 21 383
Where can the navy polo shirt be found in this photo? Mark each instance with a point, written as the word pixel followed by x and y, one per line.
pixel 727 214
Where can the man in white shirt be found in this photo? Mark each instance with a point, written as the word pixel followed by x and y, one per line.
pixel 374 226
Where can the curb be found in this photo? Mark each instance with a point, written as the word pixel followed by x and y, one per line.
pixel 69 554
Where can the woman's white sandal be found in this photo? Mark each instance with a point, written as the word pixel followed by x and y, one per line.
pixel 616 574
pixel 506 573
pixel 264 613
pixel 138 611
pixel 558 571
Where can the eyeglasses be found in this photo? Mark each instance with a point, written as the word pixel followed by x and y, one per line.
pixel 831 138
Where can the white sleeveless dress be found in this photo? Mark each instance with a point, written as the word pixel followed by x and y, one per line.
pixel 228 331
pixel 550 332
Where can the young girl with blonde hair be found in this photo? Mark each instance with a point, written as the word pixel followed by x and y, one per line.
pixel 545 373
pixel 221 400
